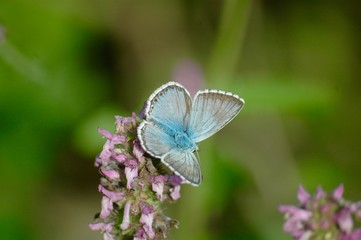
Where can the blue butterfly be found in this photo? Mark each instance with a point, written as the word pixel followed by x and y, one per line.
pixel 174 124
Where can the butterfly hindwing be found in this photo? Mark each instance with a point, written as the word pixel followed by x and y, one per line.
pixel 185 164
pixel 211 111
pixel 154 140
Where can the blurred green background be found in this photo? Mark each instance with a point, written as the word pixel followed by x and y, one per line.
pixel 68 66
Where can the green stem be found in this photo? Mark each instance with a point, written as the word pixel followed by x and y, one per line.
pixel 229 41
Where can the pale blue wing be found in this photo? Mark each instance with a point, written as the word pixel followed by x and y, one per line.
pixel 169 107
pixel 154 140
pixel 184 164
pixel 211 111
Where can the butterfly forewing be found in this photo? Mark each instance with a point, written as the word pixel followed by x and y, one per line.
pixel 211 111
pixel 169 107
pixel 184 164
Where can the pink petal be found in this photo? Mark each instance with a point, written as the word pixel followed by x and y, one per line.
pixel 140 235
pixel 175 192
pixel 126 218
pixel 105 133
pixel 138 151
pixel 320 193
pixel 303 196
pixel 119 158
pixel 158 189
pixel 111 174
pixel 344 220
pixel 158 185
pixel 108 227
pixel 106 152
pixel 147 219
pixel 107 236
pixel 337 194
pixel 131 172
pixel 114 196
pixel 175 180
pixel 107 207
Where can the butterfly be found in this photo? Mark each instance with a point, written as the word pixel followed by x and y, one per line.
pixel 174 123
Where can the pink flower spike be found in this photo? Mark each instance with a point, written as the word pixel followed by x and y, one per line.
pixel 303 196
pixel 131 172
pixel 337 194
pixel 111 174
pixel 126 218
pixel 107 207
pixel 147 219
pixel 114 196
pixel 158 185
pixel 175 192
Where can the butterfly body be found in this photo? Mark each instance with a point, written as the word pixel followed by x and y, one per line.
pixel 174 124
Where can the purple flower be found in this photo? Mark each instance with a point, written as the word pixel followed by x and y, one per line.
pixel 140 235
pixel 355 235
pixel 303 196
pixel 120 158
pixel 131 172
pixel 108 149
pixel 100 226
pixel 126 218
pixel 295 219
pixel 124 124
pixel 158 185
pixel 107 207
pixel 337 194
pixel 147 219
pixel 108 199
pixel 105 228
pixel 175 192
pixel 344 220
pixel 114 196
pixel 175 180
pixel 138 151
pixel 111 174
pixel 114 138
pixel 320 193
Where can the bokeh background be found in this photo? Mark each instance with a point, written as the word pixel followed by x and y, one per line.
pixel 68 66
